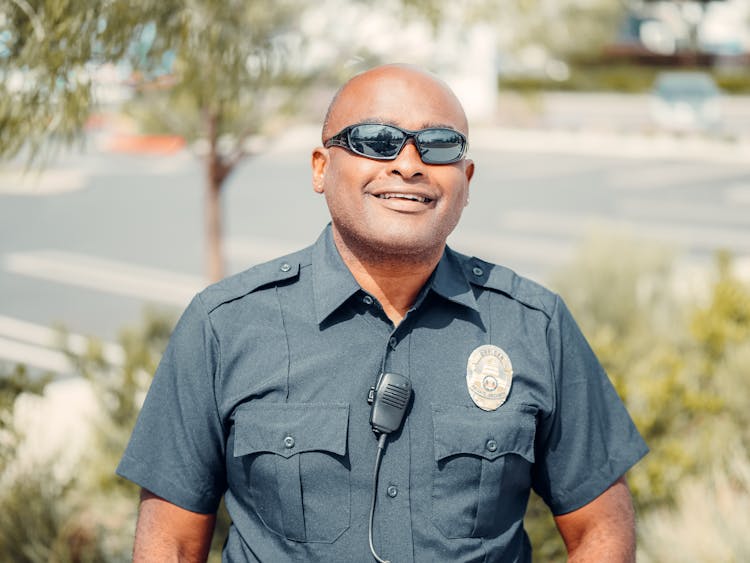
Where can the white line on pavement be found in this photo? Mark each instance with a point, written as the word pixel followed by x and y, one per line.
pixel 738 194
pixel 106 275
pixel 255 250
pixel 34 356
pixel 41 183
pixel 698 237
pixel 507 248
pixel 702 212
pixel 45 337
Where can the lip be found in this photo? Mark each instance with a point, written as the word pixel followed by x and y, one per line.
pixel 406 195
pixel 403 205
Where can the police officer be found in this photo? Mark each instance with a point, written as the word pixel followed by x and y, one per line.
pixel 261 396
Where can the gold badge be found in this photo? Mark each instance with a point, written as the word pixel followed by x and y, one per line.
pixel 489 374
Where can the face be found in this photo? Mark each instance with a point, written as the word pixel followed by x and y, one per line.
pixel 401 207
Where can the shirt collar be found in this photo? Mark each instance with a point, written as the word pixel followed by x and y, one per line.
pixel 333 283
pixel 450 282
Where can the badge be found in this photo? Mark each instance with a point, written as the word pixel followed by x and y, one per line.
pixel 489 374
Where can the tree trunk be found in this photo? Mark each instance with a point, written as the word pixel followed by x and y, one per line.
pixel 214 247
pixel 216 173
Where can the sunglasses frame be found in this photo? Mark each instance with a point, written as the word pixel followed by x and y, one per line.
pixel 342 139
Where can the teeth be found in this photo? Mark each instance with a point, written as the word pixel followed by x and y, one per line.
pixel 406 196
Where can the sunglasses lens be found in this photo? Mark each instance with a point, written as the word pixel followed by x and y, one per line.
pixel 440 146
pixel 376 141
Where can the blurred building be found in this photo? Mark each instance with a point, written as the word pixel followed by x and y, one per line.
pixel 678 32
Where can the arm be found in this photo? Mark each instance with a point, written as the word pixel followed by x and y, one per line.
pixel 602 530
pixel 166 532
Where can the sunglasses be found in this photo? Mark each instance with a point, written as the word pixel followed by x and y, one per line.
pixel 436 145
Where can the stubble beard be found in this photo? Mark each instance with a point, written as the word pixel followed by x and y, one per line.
pixel 391 251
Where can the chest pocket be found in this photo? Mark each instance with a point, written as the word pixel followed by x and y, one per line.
pixel 296 465
pixel 482 471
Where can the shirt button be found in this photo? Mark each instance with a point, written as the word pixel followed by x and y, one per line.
pixel 393 342
pixel 367 300
pixel 477 271
pixel 289 442
pixel 491 445
pixel 392 491
pixel 285 267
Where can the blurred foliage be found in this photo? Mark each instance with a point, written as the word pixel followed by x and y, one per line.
pixel 616 77
pixel 226 58
pixel 35 525
pixel 220 70
pixel 608 78
pixel 567 29
pixel 680 361
pixel 91 516
pixel 38 523
pixel 709 521
pixel 14 381
pixel 46 49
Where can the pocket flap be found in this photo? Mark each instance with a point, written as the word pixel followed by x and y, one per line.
pixel 466 430
pixel 287 429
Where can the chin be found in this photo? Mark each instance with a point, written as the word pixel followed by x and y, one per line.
pixel 393 240
pixel 407 245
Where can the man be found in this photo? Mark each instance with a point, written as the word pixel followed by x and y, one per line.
pixel 262 393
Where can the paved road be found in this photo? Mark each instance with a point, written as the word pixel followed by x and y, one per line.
pixel 105 234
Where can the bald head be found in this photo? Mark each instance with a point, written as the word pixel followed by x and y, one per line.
pixel 385 92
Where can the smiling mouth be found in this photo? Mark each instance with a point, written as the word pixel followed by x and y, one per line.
pixel 408 197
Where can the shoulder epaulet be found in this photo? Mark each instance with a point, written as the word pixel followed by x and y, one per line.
pixel 269 273
pixel 504 280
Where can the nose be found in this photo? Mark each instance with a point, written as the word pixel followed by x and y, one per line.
pixel 408 163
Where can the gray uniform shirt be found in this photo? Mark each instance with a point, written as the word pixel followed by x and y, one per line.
pixel 261 396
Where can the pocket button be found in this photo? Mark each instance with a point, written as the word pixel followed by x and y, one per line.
pixel 289 442
pixel 491 446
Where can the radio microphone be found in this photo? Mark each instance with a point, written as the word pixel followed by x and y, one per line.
pixel 389 399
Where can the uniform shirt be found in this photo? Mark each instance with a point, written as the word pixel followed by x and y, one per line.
pixel 261 396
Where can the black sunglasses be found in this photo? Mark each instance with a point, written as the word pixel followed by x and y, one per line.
pixel 436 145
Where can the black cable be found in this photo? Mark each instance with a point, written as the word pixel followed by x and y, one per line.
pixel 378 457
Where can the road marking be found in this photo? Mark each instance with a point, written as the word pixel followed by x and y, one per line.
pixel 34 356
pixel 697 237
pixel 255 250
pixel 663 176
pixel 507 248
pixel 109 276
pixel 683 211
pixel 738 193
pixel 49 182
pixel 36 335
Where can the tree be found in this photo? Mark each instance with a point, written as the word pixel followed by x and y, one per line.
pixel 565 29
pixel 225 64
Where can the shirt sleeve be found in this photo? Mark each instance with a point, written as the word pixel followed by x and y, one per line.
pixel 177 448
pixel 589 440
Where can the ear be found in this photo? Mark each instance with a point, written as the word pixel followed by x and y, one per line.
pixel 320 159
pixel 469 173
pixel 468 169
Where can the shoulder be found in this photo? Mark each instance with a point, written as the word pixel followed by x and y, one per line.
pixel 279 271
pixel 507 283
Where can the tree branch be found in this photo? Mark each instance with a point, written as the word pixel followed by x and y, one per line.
pixel 36 23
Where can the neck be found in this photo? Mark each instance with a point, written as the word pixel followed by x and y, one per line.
pixel 394 280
